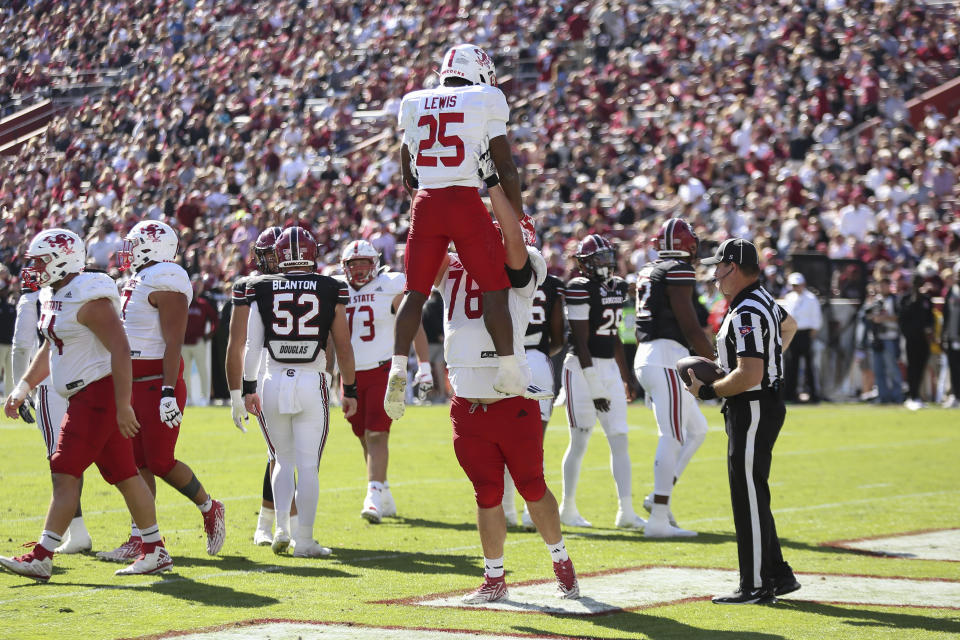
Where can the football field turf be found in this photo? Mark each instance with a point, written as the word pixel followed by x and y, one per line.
pixel 840 473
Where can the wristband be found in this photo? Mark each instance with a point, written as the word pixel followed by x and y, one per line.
pixel 249 387
pixel 413 183
pixel 491 181
pixel 167 392
pixel 21 390
pixel 707 392
pixel 350 390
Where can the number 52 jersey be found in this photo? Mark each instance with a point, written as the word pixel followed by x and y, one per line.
pixel 600 303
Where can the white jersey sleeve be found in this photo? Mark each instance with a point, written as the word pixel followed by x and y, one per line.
pixel 25 339
pixel 77 357
pixel 254 355
pixel 447 130
pixel 141 320
pixel 371 319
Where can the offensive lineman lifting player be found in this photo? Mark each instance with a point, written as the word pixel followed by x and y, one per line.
pixel 452 134
pixel 667 328
pixel 291 314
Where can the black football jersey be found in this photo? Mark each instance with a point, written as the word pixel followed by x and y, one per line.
pixel 655 319
pixel 605 303
pixel 297 310
pixel 538 331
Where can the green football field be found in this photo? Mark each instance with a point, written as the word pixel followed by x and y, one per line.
pixel 839 473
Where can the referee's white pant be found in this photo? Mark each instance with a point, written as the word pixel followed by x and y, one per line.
pixel 296 415
pixel 200 354
pixel 680 424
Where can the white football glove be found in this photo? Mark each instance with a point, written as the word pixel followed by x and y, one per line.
pixel 600 395
pixel 238 409
pixel 423 380
pixel 170 412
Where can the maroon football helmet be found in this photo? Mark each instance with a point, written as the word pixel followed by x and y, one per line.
pixel 264 252
pixel 677 240
pixel 296 248
pixel 596 257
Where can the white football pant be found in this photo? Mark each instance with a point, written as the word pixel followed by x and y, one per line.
pixel 50 407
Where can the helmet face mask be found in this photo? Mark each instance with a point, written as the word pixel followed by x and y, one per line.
pixel 264 251
pixel 53 255
pixel 148 241
pixel 596 258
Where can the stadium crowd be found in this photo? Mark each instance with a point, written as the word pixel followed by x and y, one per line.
pixel 786 124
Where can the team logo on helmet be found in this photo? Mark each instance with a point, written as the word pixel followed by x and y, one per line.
pixel 61 241
pixel 154 231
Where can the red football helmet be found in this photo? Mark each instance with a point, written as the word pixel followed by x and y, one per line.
pixel 527 230
pixel 264 253
pixel 677 240
pixel 596 257
pixel 296 248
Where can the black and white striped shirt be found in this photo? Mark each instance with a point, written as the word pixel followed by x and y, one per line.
pixel 751 329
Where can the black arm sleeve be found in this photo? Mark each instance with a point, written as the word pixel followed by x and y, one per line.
pixel 520 277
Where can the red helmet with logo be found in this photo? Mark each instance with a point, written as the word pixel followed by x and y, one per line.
pixel 296 248
pixel 596 257
pixel 263 250
pixel 677 240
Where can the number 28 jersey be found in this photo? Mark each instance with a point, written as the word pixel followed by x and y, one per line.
pixel 600 303
pixel 371 318
pixel 447 129
pixel 296 311
pixel 77 357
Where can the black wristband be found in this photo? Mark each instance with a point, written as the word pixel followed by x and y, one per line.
pixel 167 392
pixel 249 387
pixel 491 181
pixel 350 390
pixel 413 183
pixel 707 392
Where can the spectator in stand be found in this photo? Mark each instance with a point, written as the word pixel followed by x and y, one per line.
pixel 102 246
pixel 916 322
pixel 202 319
pixel 804 307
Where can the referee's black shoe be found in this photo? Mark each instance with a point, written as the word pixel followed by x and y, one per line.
pixel 762 595
pixel 785 584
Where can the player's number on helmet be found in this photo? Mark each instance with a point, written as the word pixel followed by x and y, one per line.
pixel 437 132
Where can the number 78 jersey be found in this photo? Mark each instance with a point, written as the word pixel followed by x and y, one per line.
pixel 601 304
pixel 448 129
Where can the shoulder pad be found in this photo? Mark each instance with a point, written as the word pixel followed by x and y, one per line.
pixel 168 276
pixel 91 286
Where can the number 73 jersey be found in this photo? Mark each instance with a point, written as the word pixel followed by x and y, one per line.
pixel 371 318
pixel 600 303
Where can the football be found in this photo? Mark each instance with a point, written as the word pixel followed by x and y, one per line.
pixel 707 370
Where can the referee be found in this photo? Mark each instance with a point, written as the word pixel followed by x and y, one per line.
pixel 750 345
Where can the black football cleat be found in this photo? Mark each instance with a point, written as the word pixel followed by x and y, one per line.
pixel 786 584
pixel 750 596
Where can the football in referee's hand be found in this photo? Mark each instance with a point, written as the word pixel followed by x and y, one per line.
pixel 706 370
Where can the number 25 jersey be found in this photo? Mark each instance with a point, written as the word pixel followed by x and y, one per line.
pixel 296 311
pixel 447 129
pixel 600 303
pixel 77 357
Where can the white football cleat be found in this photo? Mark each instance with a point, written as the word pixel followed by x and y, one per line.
pixel 533 392
pixel 262 538
pixel 572 518
pixel 511 380
pixel 657 528
pixel 216 527
pixel 29 565
pixel 372 512
pixel 129 550
pixel 396 393
pixel 156 561
pixel 388 508
pixel 491 590
pixel 75 543
pixel 310 549
pixel 281 541
pixel 629 520
pixel 648 505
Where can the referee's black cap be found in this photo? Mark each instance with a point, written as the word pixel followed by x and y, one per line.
pixel 735 250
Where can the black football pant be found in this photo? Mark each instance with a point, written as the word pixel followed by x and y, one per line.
pixel 918 354
pixel 753 422
pixel 800 349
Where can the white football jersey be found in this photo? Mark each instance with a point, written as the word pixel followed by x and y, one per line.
pixel 140 318
pixel 77 357
pixel 468 348
pixel 447 129
pixel 371 318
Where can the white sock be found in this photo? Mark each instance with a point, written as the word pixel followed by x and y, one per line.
pixel 265 519
pixel 493 567
pixel 284 521
pixel 398 364
pixel 509 493
pixel 665 465
pixel 206 506
pixel 295 524
pixel 660 512
pixel 134 531
pixel 78 526
pixel 571 465
pixel 691 442
pixel 373 485
pixel 558 551
pixel 151 534
pixel 620 466
pixel 50 541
